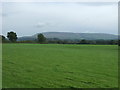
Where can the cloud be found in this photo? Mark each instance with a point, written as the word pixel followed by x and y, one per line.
pixel 72 17
pixel 97 3
pixel 41 24
pixel 59 0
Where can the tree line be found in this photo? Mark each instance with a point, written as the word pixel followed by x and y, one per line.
pixel 12 38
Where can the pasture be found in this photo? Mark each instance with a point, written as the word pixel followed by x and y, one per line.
pixel 59 66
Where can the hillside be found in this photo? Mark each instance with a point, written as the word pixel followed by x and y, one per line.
pixel 72 36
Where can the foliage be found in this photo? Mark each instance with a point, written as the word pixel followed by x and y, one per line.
pixel 119 42
pixel 3 39
pixel 41 38
pixel 27 41
pixel 12 36
pixel 0 39
pixel 83 41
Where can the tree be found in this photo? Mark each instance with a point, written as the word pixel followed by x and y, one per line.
pixel 83 41
pixel 112 42
pixel 12 36
pixel 3 38
pixel 41 38
pixel 0 39
pixel 119 42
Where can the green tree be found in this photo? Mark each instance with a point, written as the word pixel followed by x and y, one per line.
pixel 12 36
pixel 41 38
pixel 83 41
pixel 119 42
pixel 0 39
pixel 3 39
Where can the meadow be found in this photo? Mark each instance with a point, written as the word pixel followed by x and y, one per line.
pixel 59 66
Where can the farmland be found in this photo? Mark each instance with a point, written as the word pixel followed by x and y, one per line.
pixel 59 66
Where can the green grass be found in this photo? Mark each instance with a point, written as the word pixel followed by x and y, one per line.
pixel 60 66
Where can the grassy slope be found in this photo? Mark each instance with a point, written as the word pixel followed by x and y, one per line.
pixel 35 65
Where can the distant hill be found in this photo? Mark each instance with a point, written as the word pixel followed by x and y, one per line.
pixel 72 36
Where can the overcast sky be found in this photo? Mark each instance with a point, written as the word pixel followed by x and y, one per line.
pixel 30 18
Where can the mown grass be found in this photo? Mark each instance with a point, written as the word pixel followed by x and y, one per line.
pixel 60 66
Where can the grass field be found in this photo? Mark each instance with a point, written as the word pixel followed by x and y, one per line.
pixel 60 66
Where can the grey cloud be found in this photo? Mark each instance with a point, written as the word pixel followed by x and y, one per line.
pixel 41 24
pixel 97 3
pixel 72 17
pixel 8 14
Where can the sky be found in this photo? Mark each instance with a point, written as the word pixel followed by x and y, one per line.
pixel 29 18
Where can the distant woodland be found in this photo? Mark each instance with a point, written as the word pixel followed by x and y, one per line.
pixel 40 38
